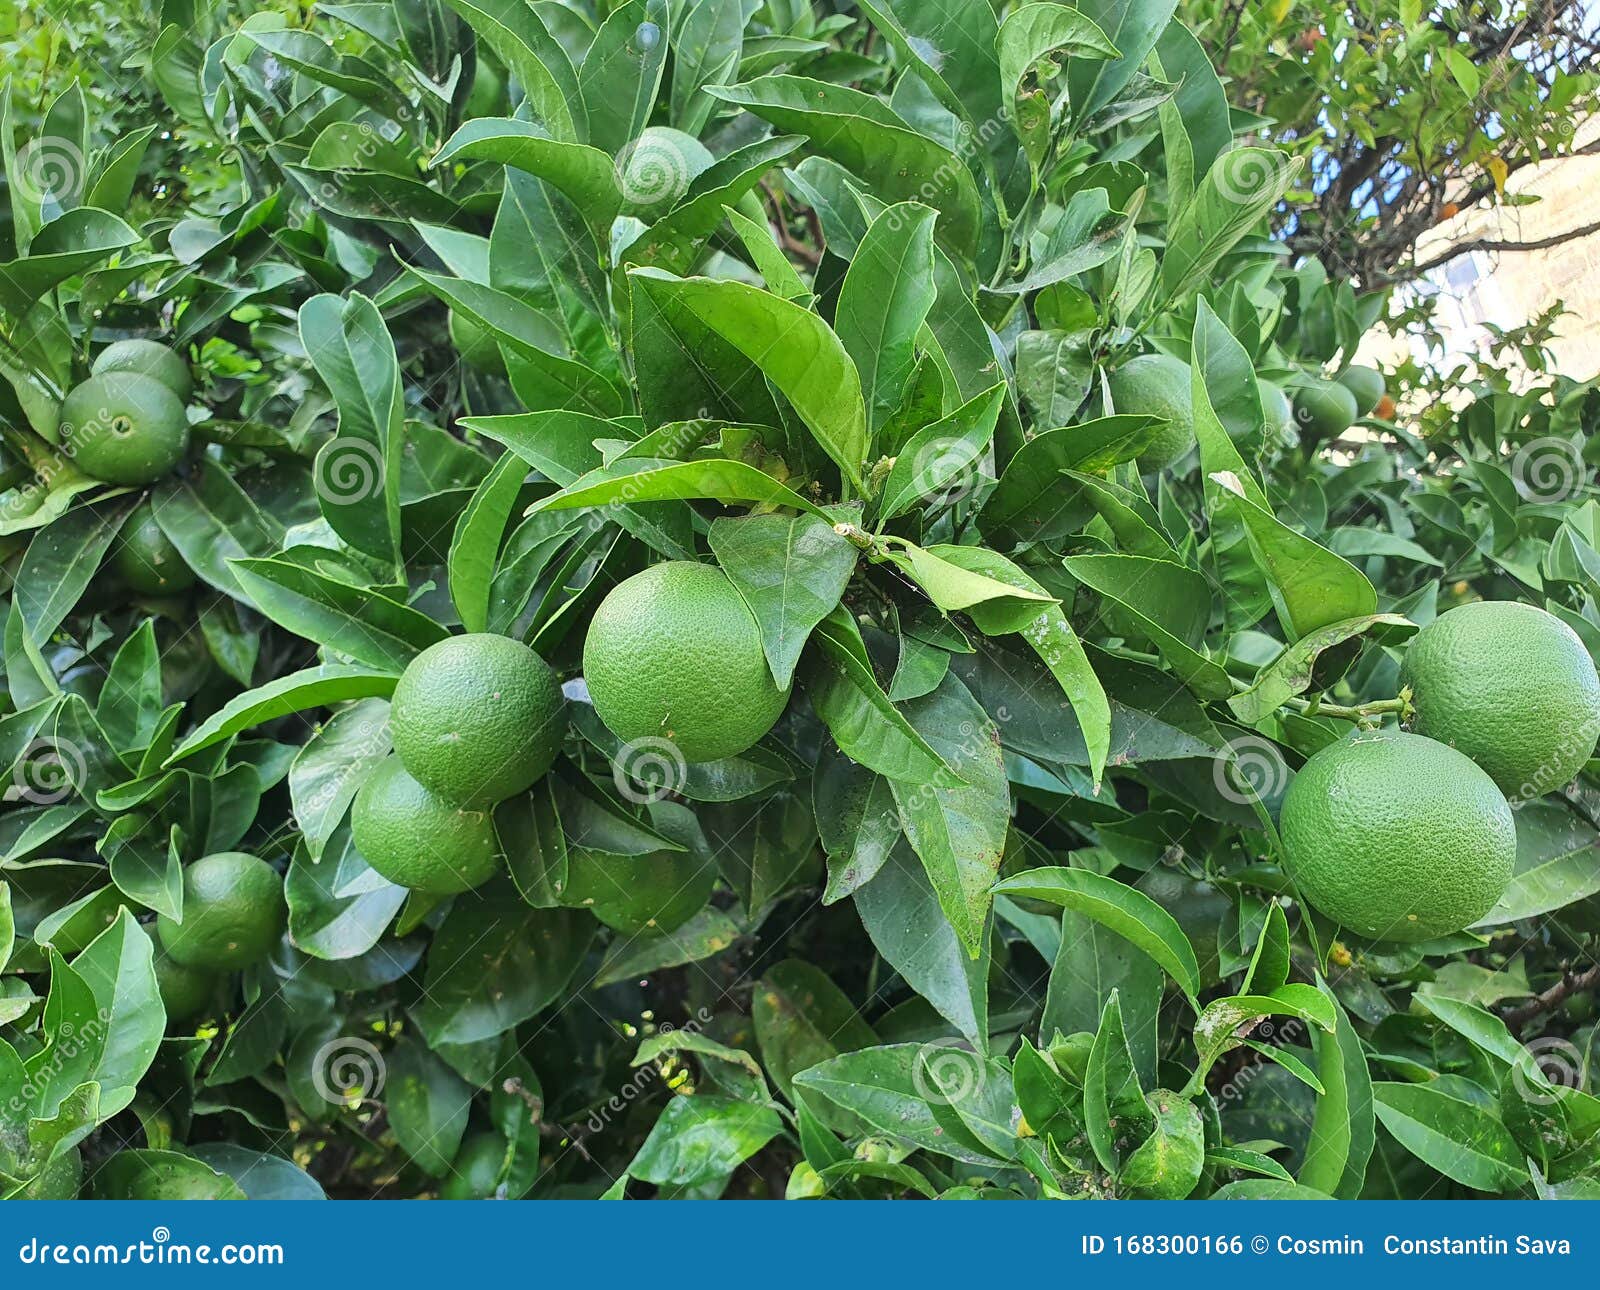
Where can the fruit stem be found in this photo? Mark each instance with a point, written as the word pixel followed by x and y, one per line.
pixel 855 535
pixel 1366 715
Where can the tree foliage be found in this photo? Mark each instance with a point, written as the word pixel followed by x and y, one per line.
pixel 998 907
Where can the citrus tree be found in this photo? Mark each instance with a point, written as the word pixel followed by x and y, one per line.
pixel 700 599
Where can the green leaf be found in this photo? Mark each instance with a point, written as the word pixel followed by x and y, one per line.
pixel 620 75
pixel 1113 1102
pixel 796 350
pixel 959 833
pixel 331 766
pixel 1555 865
pixel 701 1138
pixel 863 722
pixel 1170 603
pixel 428 1105
pixel 358 471
pixel 364 626
pixel 495 962
pixel 65 247
pixel 1027 501
pixel 1219 1026
pixel 1092 963
pixel 1133 26
pixel 517 33
pixel 212 520
pixel 119 967
pixel 339 905
pixel 475 546
pixel 1167 1164
pixel 586 176
pixel 1129 913
pixel 884 302
pixel 802 1018
pixel 791 571
pixel 1050 636
pixel 1233 198
pixel 1292 672
pixel 314 687
pixel 864 136
pixel 947 450
pixel 1041 34
pixel 1310 585
pixel 635 480
pixel 1459 1137
pixel 902 915
pixel 59 563
pixel 1342 1132
pixel 159 1175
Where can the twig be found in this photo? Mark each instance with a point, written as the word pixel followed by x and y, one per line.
pixel 1571 983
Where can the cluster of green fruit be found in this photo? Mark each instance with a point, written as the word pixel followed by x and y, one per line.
pixel 1410 836
pixel 674 666
pixel 126 424
pixel 475 719
pixel 1159 385
pixel 233 915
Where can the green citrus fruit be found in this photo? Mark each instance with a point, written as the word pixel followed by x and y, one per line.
pixel 124 428
pixel 674 654
pixel 487 97
pixel 58 1180
pixel 1365 385
pixel 1512 687
pixel 418 840
pixel 477 718
pixel 656 892
pixel 656 169
pixel 145 558
pixel 1397 837
pixel 476 345
pixel 184 990
pixel 233 913
pixel 1323 409
pixel 1158 385
pixel 475 1172
pixel 147 358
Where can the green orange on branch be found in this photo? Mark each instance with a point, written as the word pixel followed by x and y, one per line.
pixel 478 718
pixel 1397 837
pixel 145 557
pixel 1158 385
pixel 674 653
pixel 1512 687
pixel 147 358
pixel 124 428
pixel 418 840
pixel 233 913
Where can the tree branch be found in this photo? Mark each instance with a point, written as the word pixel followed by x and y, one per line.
pixel 1495 244
pixel 1570 984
